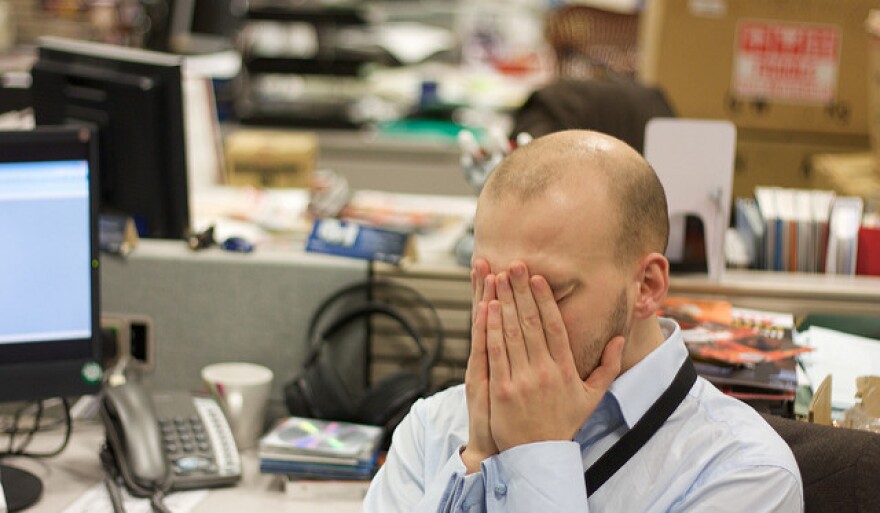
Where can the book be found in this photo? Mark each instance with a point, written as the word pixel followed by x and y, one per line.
pixel 767 204
pixel 843 232
pixel 317 470
pixel 750 226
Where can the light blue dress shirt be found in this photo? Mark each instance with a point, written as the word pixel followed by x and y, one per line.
pixel 714 454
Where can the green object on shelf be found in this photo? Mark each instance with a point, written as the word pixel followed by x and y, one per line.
pixel 861 325
pixel 424 128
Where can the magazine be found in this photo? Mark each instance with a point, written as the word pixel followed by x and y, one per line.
pixel 746 353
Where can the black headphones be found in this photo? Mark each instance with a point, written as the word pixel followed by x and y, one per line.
pixel 319 391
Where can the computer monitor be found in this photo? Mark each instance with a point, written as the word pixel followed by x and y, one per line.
pixel 134 98
pixel 49 304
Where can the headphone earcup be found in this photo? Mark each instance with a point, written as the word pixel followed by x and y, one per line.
pixel 319 393
pixel 295 397
pixel 389 400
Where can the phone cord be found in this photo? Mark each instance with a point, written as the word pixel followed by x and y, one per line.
pixel 157 502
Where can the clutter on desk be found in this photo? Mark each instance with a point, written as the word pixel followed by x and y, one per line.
pixel 846 357
pixel 201 240
pixel 206 239
pixel 748 354
pixel 329 194
pixel 117 234
pixel 356 240
pixel 310 448
pixel 865 414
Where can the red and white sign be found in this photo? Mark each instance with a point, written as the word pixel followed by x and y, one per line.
pixel 794 62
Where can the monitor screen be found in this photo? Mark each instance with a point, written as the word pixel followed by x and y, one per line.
pixel 134 99
pixel 49 305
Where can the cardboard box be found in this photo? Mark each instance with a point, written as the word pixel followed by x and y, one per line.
pixel 873 25
pixel 266 158
pixel 847 174
pixel 763 64
pixel 785 159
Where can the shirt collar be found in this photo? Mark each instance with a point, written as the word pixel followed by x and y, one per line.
pixel 639 387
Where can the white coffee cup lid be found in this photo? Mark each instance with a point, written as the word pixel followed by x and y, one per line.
pixel 239 373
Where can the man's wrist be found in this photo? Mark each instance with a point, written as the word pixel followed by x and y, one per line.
pixel 471 459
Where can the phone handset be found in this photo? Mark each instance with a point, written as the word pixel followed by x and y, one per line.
pixel 134 437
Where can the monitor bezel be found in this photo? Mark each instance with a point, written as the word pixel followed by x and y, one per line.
pixel 44 369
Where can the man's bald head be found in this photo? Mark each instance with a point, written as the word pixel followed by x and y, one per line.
pixel 624 179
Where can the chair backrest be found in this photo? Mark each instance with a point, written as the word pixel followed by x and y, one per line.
pixel 840 467
pixel 615 106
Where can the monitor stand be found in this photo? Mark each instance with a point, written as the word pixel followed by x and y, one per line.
pixel 21 487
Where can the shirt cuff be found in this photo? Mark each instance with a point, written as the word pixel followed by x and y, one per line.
pixel 541 476
pixel 463 493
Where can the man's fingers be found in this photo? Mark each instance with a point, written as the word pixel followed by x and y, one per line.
pixel 479 271
pixel 490 288
pixel 551 319
pixel 499 366
pixel 608 370
pixel 517 353
pixel 527 312
pixel 478 360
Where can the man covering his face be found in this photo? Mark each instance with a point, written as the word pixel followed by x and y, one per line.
pixel 577 397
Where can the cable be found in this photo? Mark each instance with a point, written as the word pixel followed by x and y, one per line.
pixel 35 426
pixel 68 431
pixel 15 430
pixel 114 493
pixel 157 502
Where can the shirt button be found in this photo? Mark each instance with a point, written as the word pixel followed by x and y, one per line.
pixel 500 490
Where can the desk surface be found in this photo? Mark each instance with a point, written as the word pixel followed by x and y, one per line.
pixel 77 469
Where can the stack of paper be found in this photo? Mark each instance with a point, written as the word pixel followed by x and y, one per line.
pixel 313 448
pixel 845 357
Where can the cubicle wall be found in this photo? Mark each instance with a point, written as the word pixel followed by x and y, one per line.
pixel 214 306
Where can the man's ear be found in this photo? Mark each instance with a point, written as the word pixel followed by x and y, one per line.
pixel 653 284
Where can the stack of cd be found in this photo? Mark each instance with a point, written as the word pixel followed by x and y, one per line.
pixel 320 449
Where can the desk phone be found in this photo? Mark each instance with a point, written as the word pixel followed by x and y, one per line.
pixel 168 440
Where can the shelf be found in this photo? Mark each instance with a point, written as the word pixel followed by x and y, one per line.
pixel 797 293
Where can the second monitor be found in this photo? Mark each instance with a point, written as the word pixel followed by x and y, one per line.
pixel 134 98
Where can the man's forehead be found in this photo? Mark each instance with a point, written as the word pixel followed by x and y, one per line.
pixel 551 269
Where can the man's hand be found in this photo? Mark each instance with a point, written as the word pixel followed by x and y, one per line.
pixel 480 444
pixel 535 391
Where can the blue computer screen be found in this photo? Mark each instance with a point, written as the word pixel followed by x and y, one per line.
pixel 45 288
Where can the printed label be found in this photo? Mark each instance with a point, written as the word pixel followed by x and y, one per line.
pixel 793 62
pixel 708 8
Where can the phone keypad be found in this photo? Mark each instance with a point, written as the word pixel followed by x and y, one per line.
pixel 186 444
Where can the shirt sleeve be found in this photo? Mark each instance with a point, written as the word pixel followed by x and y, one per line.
pixel 757 489
pixel 542 476
pixel 400 485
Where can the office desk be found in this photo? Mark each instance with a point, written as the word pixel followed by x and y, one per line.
pixel 77 469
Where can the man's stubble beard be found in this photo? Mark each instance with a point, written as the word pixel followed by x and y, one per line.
pixel 588 356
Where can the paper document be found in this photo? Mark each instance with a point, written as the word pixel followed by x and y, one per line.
pixel 2 499
pixel 844 356
pixel 96 500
